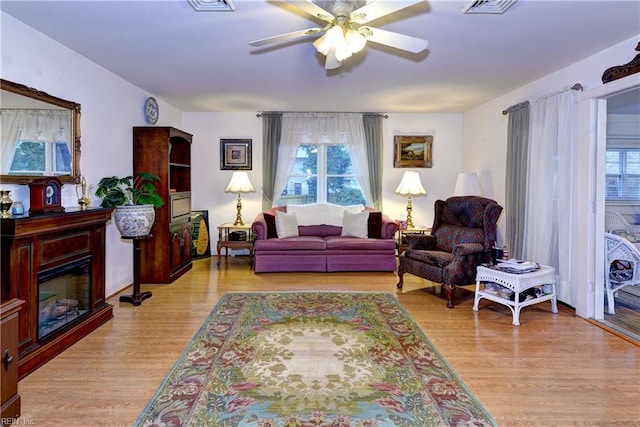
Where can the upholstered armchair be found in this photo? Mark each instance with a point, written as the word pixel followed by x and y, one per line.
pixel 463 233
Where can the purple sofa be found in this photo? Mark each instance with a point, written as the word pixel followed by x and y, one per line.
pixel 322 248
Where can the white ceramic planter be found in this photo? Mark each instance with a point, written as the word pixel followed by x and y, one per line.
pixel 134 220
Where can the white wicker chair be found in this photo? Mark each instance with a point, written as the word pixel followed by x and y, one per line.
pixel 615 221
pixel 622 266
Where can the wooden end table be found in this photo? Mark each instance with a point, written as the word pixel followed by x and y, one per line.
pixel 225 230
pixel 518 283
pixel 401 242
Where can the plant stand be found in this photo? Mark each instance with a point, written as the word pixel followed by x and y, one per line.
pixel 137 297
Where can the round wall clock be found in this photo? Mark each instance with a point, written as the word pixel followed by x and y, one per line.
pixel 45 195
pixel 151 110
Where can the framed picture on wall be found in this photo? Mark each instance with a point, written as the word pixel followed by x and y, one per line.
pixel 235 154
pixel 413 151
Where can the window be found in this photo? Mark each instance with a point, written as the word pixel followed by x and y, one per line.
pixel 41 158
pixel 622 174
pixel 36 142
pixel 322 173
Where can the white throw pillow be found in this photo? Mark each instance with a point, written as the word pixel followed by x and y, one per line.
pixel 354 208
pixel 286 224
pixel 355 224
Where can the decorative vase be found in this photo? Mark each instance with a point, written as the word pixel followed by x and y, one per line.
pixel 5 204
pixel 134 220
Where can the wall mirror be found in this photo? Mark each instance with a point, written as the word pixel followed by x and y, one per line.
pixel 40 135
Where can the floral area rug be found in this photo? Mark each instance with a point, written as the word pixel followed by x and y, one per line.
pixel 312 359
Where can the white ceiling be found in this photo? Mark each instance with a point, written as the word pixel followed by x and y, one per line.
pixel 201 61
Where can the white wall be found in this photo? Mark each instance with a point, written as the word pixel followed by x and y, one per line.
pixel 209 182
pixel 486 123
pixel 110 108
pixel 439 180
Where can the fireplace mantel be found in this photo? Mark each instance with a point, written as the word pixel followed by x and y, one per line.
pixel 35 244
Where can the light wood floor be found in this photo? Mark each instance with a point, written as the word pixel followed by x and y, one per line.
pixel 553 370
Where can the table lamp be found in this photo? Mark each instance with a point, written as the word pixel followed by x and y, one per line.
pixel 467 184
pixel 239 184
pixel 410 186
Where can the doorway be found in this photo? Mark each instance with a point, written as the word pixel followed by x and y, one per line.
pixel 621 199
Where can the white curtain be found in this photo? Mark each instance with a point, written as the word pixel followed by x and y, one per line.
pixel 31 125
pixel 322 128
pixel 548 236
pixel 357 143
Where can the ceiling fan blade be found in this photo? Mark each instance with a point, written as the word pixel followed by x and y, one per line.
pixel 377 9
pixel 286 36
pixel 331 61
pixel 313 10
pixel 395 40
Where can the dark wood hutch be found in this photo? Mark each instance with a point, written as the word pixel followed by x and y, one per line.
pixel 61 250
pixel 166 152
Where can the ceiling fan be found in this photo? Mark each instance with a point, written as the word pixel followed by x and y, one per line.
pixel 346 32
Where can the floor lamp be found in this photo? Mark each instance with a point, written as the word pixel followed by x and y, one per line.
pixel 467 184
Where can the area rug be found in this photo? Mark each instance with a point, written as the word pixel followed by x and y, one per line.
pixel 298 359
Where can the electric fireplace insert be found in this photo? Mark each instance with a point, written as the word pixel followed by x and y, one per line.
pixel 64 295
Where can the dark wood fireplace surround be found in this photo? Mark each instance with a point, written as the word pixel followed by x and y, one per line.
pixel 33 244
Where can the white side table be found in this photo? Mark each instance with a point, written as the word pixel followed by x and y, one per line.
pixel 518 283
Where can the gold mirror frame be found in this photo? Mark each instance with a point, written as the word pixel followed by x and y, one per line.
pixel 74 107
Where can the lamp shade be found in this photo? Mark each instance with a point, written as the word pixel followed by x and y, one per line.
pixel 467 184
pixel 240 184
pixel 410 185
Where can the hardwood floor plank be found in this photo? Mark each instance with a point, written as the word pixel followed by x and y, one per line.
pixel 552 370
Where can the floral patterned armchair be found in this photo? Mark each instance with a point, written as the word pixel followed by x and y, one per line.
pixel 463 233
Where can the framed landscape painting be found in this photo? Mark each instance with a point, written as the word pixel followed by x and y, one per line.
pixel 235 154
pixel 413 151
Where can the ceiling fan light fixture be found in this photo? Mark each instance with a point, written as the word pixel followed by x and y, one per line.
pixel 345 32
pixel 332 38
pixel 344 39
pixel 343 51
pixel 355 40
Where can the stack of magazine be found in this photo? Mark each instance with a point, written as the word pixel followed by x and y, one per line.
pixel 517 266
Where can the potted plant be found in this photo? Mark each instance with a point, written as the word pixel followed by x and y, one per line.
pixel 134 198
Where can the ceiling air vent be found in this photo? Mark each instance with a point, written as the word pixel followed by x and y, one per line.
pixel 212 5
pixel 488 6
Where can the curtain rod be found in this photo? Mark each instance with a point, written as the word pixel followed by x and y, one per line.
pixel 384 116
pixel 576 86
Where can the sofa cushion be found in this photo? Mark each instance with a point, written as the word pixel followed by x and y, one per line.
pixel 437 258
pixel 451 235
pixel 322 213
pixel 272 232
pixel 355 224
pixel 358 244
pixel 319 230
pixel 374 225
pixel 301 243
pixel 286 224
pixel 465 211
